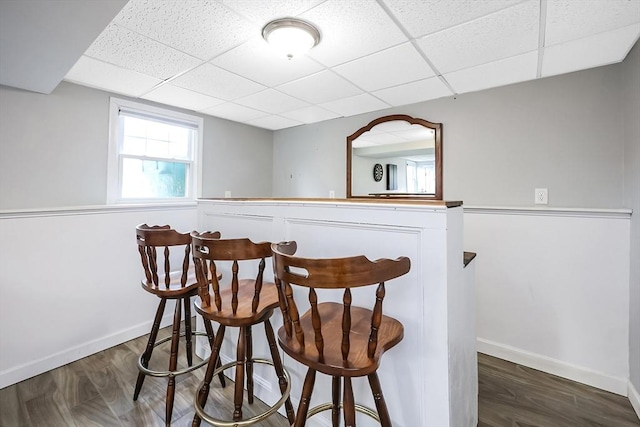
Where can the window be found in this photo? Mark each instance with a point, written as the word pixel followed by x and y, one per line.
pixel 153 154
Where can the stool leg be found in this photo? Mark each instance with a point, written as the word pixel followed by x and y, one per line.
pixel 381 406
pixel 211 367
pixel 335 395
pixel 349 404
pixel 305 398
pixel 146 356
pixel 173 361
pixel 239 385
pixel 277 363
pixel 211 337
pixel 187 329
pixel 249 367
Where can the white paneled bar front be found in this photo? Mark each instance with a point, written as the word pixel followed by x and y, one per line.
pixel 430 378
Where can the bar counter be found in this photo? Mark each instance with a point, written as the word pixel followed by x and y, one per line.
pixel 430 378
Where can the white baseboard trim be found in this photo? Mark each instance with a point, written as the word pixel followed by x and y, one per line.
pixel 634 398
pixel 22 372
pixel 557 367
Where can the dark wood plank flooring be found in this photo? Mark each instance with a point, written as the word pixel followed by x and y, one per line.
pixel 97 391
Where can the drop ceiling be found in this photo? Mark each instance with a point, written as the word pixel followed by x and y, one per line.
pixel 209 56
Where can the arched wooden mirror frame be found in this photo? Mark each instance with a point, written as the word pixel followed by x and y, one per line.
pixel 437 128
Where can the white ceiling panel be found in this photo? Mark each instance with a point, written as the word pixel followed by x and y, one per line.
pixel 260 12
pixel 200 28
pixel 390 67
pixel 274 122
pixel 506 33
pixel 271 101
pixel 353 105
pixel 216 82
pixel 321 87
pixel 235 112
pixel 411 93
pixel 258 62
pixel 311 114
pixel 105 76
pixel 594 51
pixel 183 98
pixel 499 73
pixel 130 50
pixel 351 29
pixel 570 19
pixel 430 16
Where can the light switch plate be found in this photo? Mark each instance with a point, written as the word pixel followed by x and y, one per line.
pixel 541 196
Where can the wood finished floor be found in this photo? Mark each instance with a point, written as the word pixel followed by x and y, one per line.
pixel 97 391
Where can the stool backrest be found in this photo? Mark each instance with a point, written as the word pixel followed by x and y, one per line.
pixel 331 273
pixel 209 249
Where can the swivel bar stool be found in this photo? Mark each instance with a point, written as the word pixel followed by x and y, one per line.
pixel 337 339
pixel 167 284
pixel 242 303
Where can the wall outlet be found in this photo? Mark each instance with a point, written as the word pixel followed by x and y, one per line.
pixel 332 194
pixel 227 194
pixel 541 196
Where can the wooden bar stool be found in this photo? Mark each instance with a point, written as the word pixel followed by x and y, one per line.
pixel 242 303
pixel 336 339
pixel 167 284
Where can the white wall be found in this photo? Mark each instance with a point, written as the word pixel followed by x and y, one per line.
pixel 70 284
pixel 53 150
pixel 631 100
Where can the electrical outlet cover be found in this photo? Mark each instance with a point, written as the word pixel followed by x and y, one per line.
pixel 541 196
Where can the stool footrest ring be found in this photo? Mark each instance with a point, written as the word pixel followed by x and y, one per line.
pixel 328 406
pixel 153 373
pixel 247 421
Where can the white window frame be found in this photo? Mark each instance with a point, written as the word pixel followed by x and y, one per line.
pixel 114 163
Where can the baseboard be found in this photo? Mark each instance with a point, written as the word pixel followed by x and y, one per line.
pixel 39 366
pixel 580 374
pixel 634 398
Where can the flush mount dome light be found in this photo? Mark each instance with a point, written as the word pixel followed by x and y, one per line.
pixel 291 36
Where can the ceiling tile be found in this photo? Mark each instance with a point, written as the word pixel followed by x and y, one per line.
pixel 127 49
pixel 570 19
pixel 200 28
pixel 594 51
pixel 353 105
pixel 311 114
pixel 91 72
pixel 322 87
pixel 500 35
pixel 216 82
pixel 411 93
pixel 183 98
pixel 261 12
pixel 351 29
pixel 231 111
pixel 391 67
pixel 499 73
pixel 271 101
pixel 257 61
pixel 430 16
pixel 274 122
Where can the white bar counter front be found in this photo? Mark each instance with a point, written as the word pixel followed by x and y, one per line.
pixel 428 379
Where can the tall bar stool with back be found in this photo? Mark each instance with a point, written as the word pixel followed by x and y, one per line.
pixel 177 284
pixel 241 303
pixel 336 339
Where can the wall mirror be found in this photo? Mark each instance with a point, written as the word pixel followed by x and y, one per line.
pixel 395 156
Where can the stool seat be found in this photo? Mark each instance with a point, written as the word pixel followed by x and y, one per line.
pixel 244 314
pixel 358 364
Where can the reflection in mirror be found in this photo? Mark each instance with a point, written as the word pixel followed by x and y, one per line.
pixel 409 150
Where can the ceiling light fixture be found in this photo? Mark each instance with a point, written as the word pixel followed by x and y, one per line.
pixel 291 36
